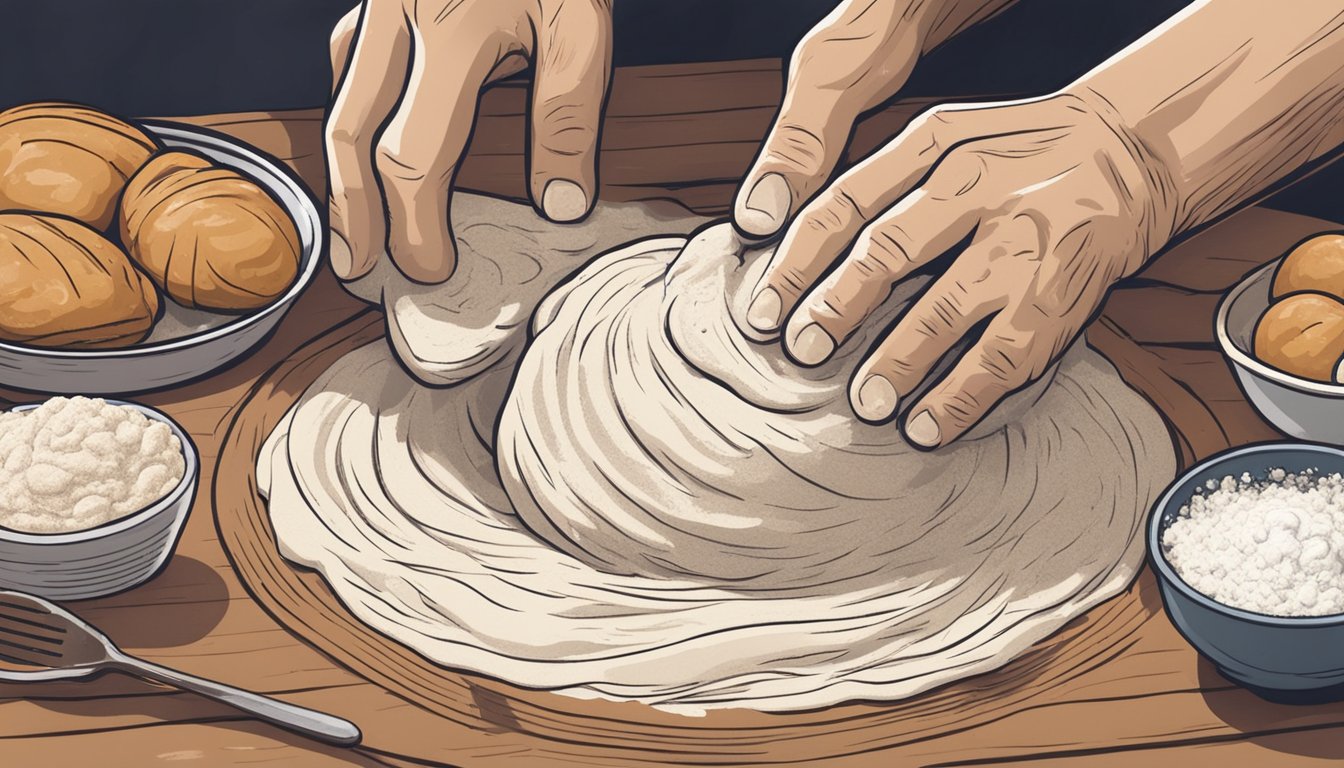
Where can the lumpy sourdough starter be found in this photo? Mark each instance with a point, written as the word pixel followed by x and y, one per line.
pixel 75 463
pixel 1271 546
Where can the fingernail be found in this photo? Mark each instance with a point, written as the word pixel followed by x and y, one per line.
pixel 876 400
pixel 564 201
pixel 763 314
pixel 923 430
pixel 766 207
pixel 812 345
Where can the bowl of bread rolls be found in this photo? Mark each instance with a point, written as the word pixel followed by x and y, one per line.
pixel 1282 331
pixel 139 255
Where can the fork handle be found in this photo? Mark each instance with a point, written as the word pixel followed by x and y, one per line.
pixel 318 725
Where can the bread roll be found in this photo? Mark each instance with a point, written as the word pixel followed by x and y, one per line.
pixel 68 159
pixel 64 285
pixel 1302 334
pixel 209 237
pixel 1315 265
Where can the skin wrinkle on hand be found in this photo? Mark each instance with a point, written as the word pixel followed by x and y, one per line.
pixel 1059 196
pixel 854 59
pixel 672 512
pixel 1263 98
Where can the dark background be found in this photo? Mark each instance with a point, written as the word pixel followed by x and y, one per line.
pixel 183 57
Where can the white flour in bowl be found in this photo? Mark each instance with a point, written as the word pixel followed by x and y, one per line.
pixel 75 463
pixel 1274 547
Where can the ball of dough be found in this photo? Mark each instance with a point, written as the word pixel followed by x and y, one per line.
pixel 1302 334
pixel 1316 265
pixel 68 159
pixel 209 237
pixel 64 285
pixel 645 433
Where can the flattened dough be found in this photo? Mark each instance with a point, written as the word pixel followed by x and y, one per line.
pixel 692 522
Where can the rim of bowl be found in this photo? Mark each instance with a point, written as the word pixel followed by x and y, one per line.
pixel 190 459
pixel 1248 361
pixel 195 137
pixel 1167 573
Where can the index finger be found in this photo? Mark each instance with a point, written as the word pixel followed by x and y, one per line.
pixel 852 60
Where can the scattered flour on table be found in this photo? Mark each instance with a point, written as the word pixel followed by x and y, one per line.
pixel 75 463
pixel 1271 546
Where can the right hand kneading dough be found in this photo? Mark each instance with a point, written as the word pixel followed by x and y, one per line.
pixel 672 513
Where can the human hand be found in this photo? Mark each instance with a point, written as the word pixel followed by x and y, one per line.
pixel 422 63
pixel 853 60
pixel 1058 203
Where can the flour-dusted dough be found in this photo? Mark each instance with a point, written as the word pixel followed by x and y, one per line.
pixel 507 261
pixel 849 568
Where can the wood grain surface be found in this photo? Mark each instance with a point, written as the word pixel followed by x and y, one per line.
pixel 1118 687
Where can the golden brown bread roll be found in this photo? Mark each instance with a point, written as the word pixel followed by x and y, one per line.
pixel 1302 334
pixel 208 237
pixel 68 159
pixel 1315 265
pixel 64 285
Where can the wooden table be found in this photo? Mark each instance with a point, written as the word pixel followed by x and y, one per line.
pixel 685 132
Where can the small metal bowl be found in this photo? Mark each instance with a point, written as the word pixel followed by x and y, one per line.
pixel 185 344
pixel 111 557
pixel 1285 659
pixel 1298 407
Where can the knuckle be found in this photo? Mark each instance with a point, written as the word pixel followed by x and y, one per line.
pixel 395 165
pixel 944 314
pixel 960 171
pixel 900 362
pixel 792 279
pixel 799 148
pixel 884 252
pixel 1051 305
pixel 1004 362
pixel 567 129
pixel 963 408
pixel 812 46
pixel 937 128
pixel 341 134
pixel 834 212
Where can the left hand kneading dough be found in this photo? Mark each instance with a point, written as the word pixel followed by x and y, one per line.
pixel 687 520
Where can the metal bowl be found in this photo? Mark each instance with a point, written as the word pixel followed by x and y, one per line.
pixel 110 558
pixel 186 344
pixel 1287 659
pixel 1298 407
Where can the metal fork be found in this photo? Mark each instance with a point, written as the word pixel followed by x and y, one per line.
pixel 48 642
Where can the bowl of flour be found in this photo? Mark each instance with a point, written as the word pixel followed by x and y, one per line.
pixel 1248 548
pixel 93 495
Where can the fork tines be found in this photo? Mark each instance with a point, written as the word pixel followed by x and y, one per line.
pixel 25 639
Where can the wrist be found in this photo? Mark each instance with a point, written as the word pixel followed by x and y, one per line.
pixel 1146 172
